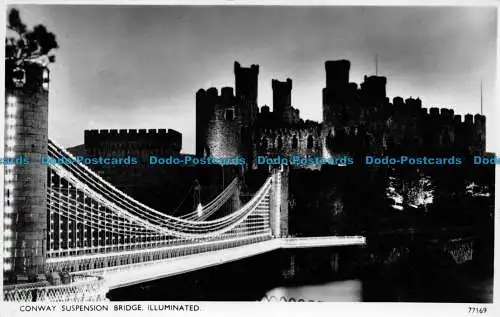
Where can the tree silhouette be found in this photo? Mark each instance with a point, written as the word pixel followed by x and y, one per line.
pixel 28 45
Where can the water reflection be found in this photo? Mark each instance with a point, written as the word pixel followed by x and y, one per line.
pixel 339 291
pixel 460 285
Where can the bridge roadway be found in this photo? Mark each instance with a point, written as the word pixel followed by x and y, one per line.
pixel 123 276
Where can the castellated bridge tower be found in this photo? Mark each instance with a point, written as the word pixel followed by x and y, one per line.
pixel 25 206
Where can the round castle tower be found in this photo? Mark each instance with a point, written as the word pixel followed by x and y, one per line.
pixel 26 140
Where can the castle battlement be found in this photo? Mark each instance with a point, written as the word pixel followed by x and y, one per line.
pixel 129 141
pixel 131 132
pixel 447 116
pixel 254 68
pixel 282 85
pixel 211 96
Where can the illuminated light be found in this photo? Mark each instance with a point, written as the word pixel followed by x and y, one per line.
pixel 7 266
pixel 11 121
pixel 7 244
pixel 9 187
pixel 7 221
pixel 9 177
pixel 11 143
pixel 11 132
pixel 199 210
pixel 8 210
pixel 398 207
pixel 11 99
pixel 10 154
pixel 11 110
pixel 7 233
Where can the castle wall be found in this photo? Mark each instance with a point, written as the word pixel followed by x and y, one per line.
pixel 134 142
pixel 303 141
pixel 399 127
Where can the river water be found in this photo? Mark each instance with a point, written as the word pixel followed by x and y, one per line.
pixel 472 289
pixel 261 278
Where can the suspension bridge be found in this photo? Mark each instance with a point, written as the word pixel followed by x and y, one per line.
pixel 84 237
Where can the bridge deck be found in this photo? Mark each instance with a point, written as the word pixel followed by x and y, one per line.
pixel 143 272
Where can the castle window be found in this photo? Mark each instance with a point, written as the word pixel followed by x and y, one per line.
pixel 295 142
pixel 264 143
pixel 310 142
pixel 229 114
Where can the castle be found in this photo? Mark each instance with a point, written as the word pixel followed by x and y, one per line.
pixel 139 143
pixel 356 120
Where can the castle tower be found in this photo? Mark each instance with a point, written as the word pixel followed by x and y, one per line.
pixel 282 100
pixel 203 114
pixel 374 87
pixel 246 84
pixel 337 92
pixel 479 138
pixel 337 73
pixel 279 201
pixel 223 134
pixel 26 139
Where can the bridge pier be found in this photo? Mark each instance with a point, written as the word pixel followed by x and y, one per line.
pixel 279 202
pixel 26 139
pixel 315 264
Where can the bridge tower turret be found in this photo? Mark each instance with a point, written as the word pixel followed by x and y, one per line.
pixel 279 202
pixel 26 140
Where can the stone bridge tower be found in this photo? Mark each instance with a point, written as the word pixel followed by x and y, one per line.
pixel 279 201
pixel 26 140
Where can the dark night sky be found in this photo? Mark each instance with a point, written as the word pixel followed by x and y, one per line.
pixel 140 66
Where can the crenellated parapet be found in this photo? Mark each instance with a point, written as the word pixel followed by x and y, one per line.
pixel 399 125
pixel 212 95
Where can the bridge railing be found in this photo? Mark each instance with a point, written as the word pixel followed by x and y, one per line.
pixel 82 288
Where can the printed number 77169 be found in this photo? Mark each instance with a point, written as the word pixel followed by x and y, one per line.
pixel 477 310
